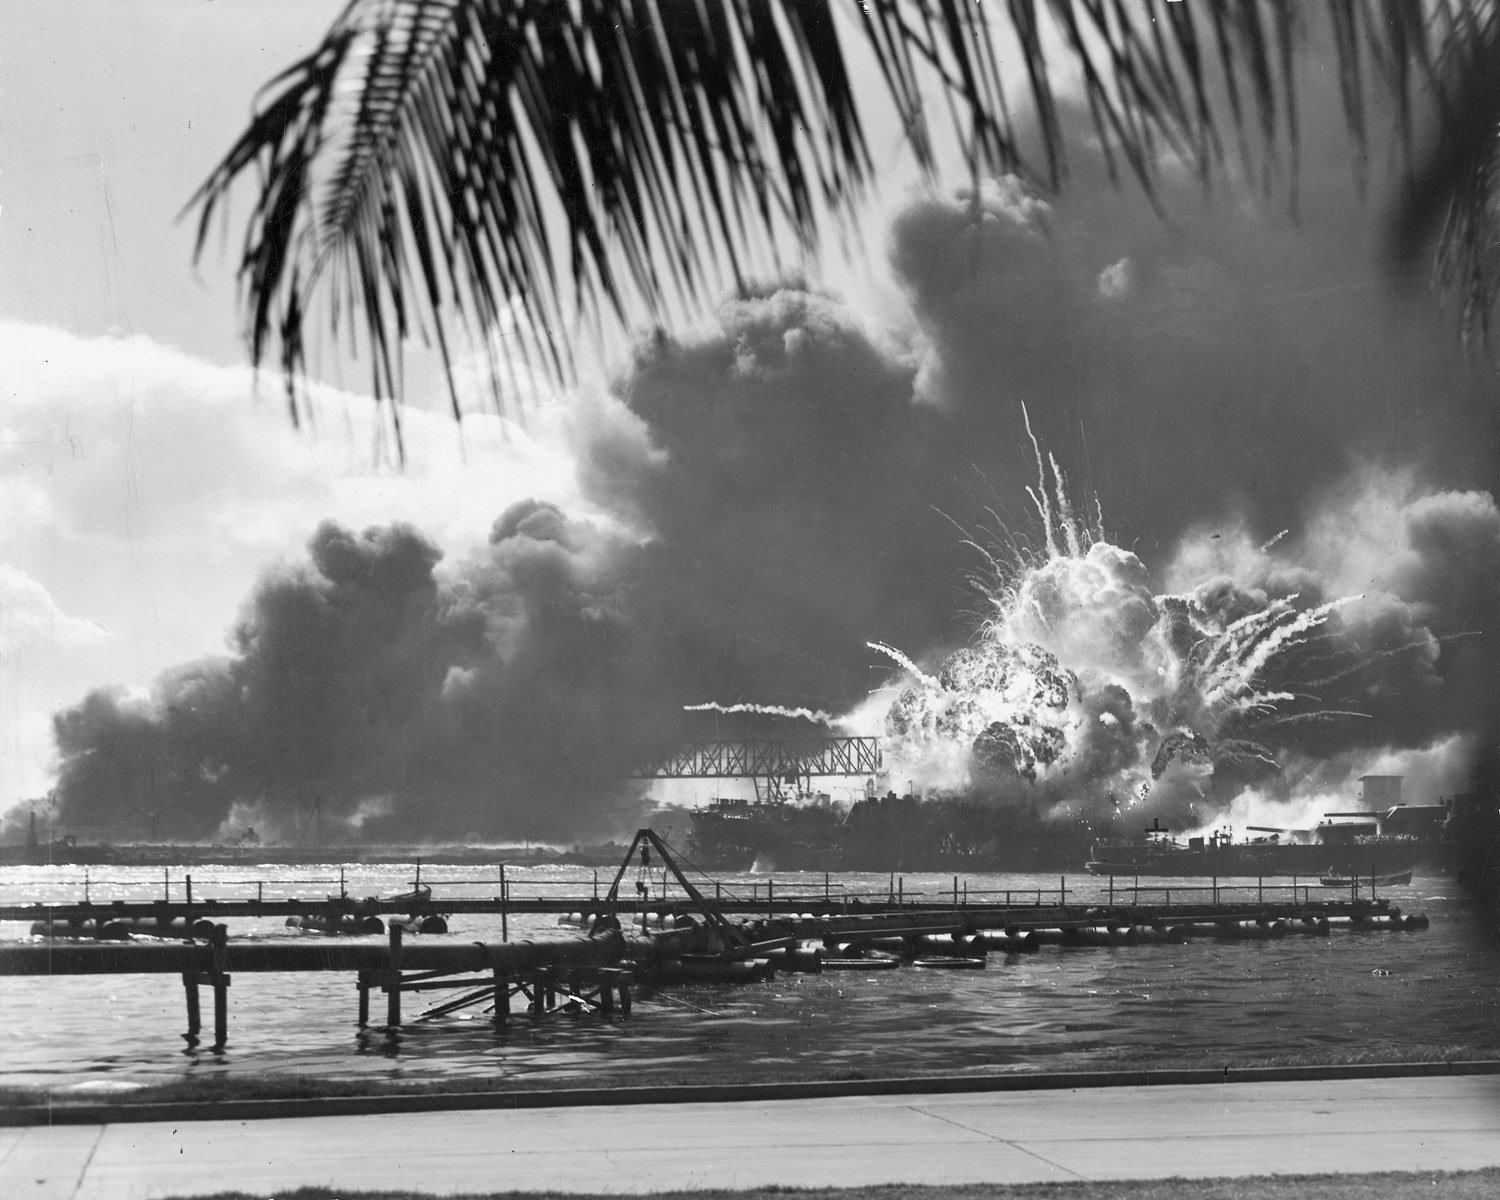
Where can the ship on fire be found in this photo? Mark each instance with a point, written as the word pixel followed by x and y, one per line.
pixel 880 833
pixel 906 833
pixel 1384 840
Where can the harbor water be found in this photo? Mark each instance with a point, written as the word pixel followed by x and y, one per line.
pixel 1347 997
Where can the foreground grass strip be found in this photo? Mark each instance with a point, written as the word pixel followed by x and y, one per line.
pixel 1385 1185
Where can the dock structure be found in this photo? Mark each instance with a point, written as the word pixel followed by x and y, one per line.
pixel 623 938
pixel 344 912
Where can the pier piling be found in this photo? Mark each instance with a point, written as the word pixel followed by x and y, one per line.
pixel 393 981
pixel 502 999
pixel 219 979
pixel 194 1018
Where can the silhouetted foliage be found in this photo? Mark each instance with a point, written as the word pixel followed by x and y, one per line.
pixel 442 159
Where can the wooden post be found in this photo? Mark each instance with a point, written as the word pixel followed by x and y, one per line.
pixel 190 901
pixel 364 998
pixel 827 891
pixel 393 981
pixel 624 996
pixel 221 1011
pixel 504 906
pixel 1111 891
pixel 190 988
pixel 219 941
pixel 606 993
pixel 502 999
pixel 955 891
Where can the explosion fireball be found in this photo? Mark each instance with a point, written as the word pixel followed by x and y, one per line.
pixel 1087 694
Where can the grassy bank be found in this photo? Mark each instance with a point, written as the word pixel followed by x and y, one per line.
pixel 1387 1185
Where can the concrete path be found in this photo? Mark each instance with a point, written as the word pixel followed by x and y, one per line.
pixel 1002 1137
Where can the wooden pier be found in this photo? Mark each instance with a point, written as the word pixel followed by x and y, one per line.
pixel 756 898
pixel 664 941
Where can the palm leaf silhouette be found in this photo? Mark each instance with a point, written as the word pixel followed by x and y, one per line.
pixel 439 160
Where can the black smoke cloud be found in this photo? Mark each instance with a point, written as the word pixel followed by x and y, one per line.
pixel 786 489
pixel 505 697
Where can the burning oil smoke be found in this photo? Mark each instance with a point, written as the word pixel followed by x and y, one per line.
pixel 784 491
pixel 504 698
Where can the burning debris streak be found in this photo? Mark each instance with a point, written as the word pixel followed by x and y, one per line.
pixel 1087 694
pixel 767 710
pixel 901 660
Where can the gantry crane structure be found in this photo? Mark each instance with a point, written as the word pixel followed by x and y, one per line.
pixel 774 765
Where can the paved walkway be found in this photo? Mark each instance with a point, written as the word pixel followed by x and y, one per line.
pixel 1002 1137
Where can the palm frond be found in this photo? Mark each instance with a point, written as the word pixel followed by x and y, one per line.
pixel 1450 213
pixel 434 162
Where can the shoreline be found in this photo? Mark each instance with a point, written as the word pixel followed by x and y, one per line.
pixel 42 1107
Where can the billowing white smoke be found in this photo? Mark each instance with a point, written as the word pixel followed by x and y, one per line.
pixel 1088 694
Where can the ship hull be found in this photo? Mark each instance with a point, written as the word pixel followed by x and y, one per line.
pixel 792 839
pixel 1256 862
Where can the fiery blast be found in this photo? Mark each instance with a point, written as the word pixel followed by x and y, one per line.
pixel 768 497
pixel 1089 696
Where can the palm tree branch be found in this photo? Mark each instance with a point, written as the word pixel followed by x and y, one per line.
pixel 433 160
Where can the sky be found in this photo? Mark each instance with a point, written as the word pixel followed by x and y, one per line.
pixel 1291 465
pixel 146 478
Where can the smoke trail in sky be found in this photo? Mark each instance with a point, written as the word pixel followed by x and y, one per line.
pixel 765 710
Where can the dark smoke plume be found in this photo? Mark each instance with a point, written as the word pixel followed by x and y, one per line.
pixel 789 489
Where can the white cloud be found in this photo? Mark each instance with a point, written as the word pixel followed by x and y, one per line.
pixel 30 618
pixel 114 440
pixel 143 489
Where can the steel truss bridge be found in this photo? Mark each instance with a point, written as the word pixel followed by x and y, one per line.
pixel 765 760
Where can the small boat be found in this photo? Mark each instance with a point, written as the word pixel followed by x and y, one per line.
pixel 943 962
pixel 1395 879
